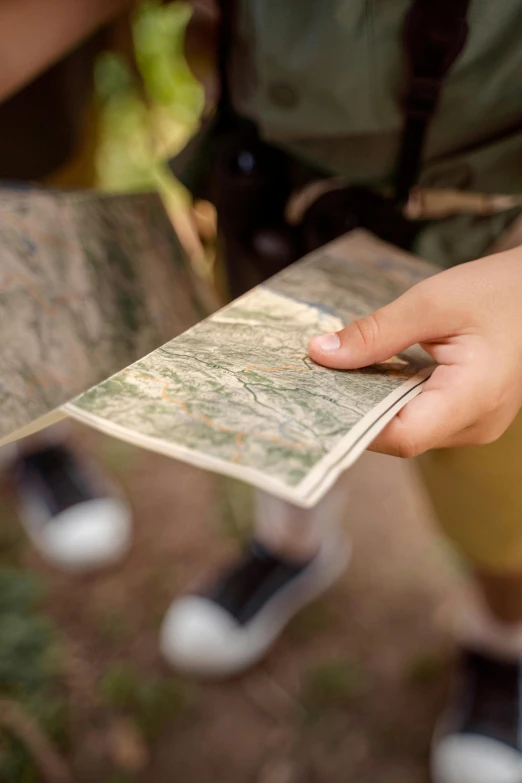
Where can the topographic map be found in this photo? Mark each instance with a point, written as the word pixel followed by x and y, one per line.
pixel 238 394
pixel 88 284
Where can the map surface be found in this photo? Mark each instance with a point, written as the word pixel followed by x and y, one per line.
pixel 88 284
pixel 238 394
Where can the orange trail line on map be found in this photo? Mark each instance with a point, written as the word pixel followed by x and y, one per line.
pixel 33 292
pixel 206 420
pixel 43 238
pixel 46 380
pixel 274 369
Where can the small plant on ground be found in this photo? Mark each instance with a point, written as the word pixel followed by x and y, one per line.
pixel 150 702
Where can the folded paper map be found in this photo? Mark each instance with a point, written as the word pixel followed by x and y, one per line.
pixel 91 283
pixel 238 394
pixel 88 284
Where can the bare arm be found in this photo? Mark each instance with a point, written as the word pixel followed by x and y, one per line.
pixel 36 33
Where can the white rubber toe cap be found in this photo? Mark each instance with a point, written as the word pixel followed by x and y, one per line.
pixel 89 535
pixel 475 759
pixel 200 637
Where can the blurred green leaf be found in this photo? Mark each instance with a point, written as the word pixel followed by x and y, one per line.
pixel 332 685
pixel 150 702
pixel 424 668
pixel 137 136
pixel 29 670
pixel 112 76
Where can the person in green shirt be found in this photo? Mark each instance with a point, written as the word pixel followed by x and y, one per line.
pixel 315 93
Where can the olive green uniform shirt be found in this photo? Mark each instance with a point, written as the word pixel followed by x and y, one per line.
pixel 326 81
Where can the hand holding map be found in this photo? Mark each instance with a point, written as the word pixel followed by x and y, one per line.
pixel 468 319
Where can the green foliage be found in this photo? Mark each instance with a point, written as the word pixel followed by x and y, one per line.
pixel 11 538
pixel 29 669
pixel 114 627
pixel 26 659
pixel 152 703
pixel 332 685
pixel 20 592
pixel 113 77
pixel 120 686
pixel 158 35
pixel 27 652
pixel 310 622
pixel 138 135
pixel 424 668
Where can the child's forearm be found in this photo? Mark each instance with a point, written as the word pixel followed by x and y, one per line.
pixel 36 33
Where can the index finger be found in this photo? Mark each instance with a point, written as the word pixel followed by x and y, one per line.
pixel 447 404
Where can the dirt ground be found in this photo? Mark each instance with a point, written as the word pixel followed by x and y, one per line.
pixel 351 691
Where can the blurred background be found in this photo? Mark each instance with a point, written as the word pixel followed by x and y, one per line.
pixel 351 691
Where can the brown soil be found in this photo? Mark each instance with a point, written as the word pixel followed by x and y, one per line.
pixel 351 691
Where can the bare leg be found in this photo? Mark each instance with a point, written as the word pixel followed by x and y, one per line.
pixel 296 533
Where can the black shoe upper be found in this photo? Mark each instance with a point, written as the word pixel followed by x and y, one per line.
pixel 487 699
pixel 249 586
pixel 55 477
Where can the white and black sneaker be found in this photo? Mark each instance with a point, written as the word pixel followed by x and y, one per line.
pixel 232 625
pixel 481 738
pixel 74 517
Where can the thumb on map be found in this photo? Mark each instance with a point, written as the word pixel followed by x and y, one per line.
pixel 408 320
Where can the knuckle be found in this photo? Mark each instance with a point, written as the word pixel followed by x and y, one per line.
pixel 369 331
pixel 407 448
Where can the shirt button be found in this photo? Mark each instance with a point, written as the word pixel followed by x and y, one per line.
pixel 283 95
